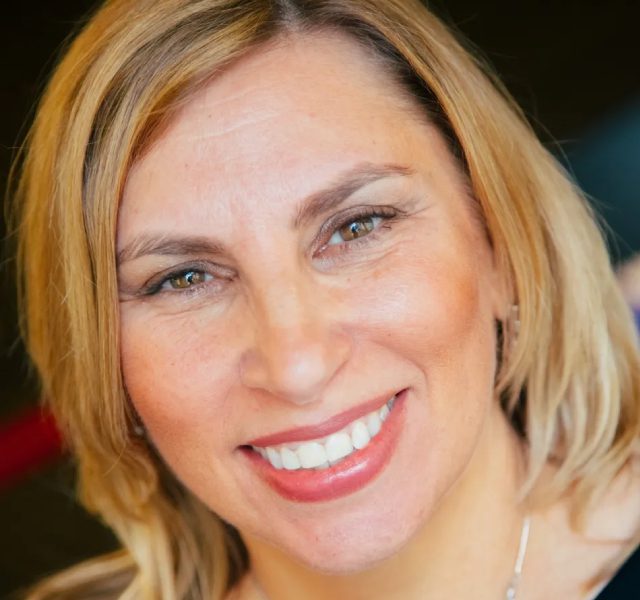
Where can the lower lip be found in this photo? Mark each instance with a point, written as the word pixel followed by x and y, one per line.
pixel 348 476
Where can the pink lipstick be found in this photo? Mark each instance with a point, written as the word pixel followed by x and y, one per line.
pixel 369 431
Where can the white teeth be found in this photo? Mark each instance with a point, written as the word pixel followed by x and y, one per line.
pixel 273 456
pixel 290 460
pixel 373 424
pixel 360 435
pixel 311 455
pixel 325 452
pixel 338 446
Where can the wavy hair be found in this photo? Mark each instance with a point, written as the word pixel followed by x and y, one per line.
pixel 570 384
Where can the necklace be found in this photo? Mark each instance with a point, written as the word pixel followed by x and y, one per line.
pixel 517 569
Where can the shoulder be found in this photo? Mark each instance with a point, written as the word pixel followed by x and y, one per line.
pixel 574 559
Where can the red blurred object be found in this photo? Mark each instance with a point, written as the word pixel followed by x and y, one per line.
pixel 28 441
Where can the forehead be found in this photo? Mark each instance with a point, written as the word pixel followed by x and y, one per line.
pixel 283 120
pixel 296 74
pixel 312 78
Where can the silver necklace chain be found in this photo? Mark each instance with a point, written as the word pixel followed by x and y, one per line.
pixel 522 551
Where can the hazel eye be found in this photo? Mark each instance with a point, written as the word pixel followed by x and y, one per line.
pixel 355 229
pixel 188 279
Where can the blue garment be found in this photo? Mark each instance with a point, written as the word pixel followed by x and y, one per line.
pixel 625 585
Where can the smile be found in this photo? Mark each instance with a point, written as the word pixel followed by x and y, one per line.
pixel 330 450
pixel 333 459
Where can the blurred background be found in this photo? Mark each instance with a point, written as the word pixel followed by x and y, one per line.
pixel 573 66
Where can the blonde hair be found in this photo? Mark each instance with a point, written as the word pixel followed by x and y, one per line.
pixel 570 383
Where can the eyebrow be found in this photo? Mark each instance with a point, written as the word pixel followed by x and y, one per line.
pixel 166 246
pixel 314 205
pixel 346 185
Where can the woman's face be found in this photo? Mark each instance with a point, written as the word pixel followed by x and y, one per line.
pixel 295 250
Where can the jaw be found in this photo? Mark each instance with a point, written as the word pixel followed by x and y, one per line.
pixel 396 539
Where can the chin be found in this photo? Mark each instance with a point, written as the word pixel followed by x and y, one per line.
pixel 356 540
pixel 343 558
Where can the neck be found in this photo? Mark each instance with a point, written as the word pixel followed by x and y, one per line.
pixel 466 548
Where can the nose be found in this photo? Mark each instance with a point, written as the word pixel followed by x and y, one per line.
pixel 297 347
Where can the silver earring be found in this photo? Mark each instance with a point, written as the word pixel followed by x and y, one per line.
pixel 512 325
pixel 515 316
pixel 139 430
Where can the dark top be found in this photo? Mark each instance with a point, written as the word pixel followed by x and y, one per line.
pixel 625 584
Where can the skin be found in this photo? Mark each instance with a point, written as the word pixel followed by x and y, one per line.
pixel 289 325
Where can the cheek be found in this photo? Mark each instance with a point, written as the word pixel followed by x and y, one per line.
pixel 437 308
pixel 436 316
pixel 176 374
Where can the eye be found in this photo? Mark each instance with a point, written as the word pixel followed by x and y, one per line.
pixel 196 277
pixel 183 280
pixel 186 280
pixel 354 229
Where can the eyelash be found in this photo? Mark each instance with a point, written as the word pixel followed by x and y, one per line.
pixel 155 285
pixel 386 214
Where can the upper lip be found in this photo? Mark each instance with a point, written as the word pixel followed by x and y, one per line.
pixel 331 425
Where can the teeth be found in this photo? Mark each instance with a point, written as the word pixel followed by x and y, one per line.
pixel 274 457
pixel 312 455
pixel 338 446
pixel 290 460
pixel 360 435
pixel 373 424
pixel 320 454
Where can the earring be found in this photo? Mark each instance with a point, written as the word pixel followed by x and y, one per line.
pixel 515 318
pixel 137 427
pixel 512 325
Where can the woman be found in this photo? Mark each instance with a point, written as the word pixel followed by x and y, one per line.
pixel 319 316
